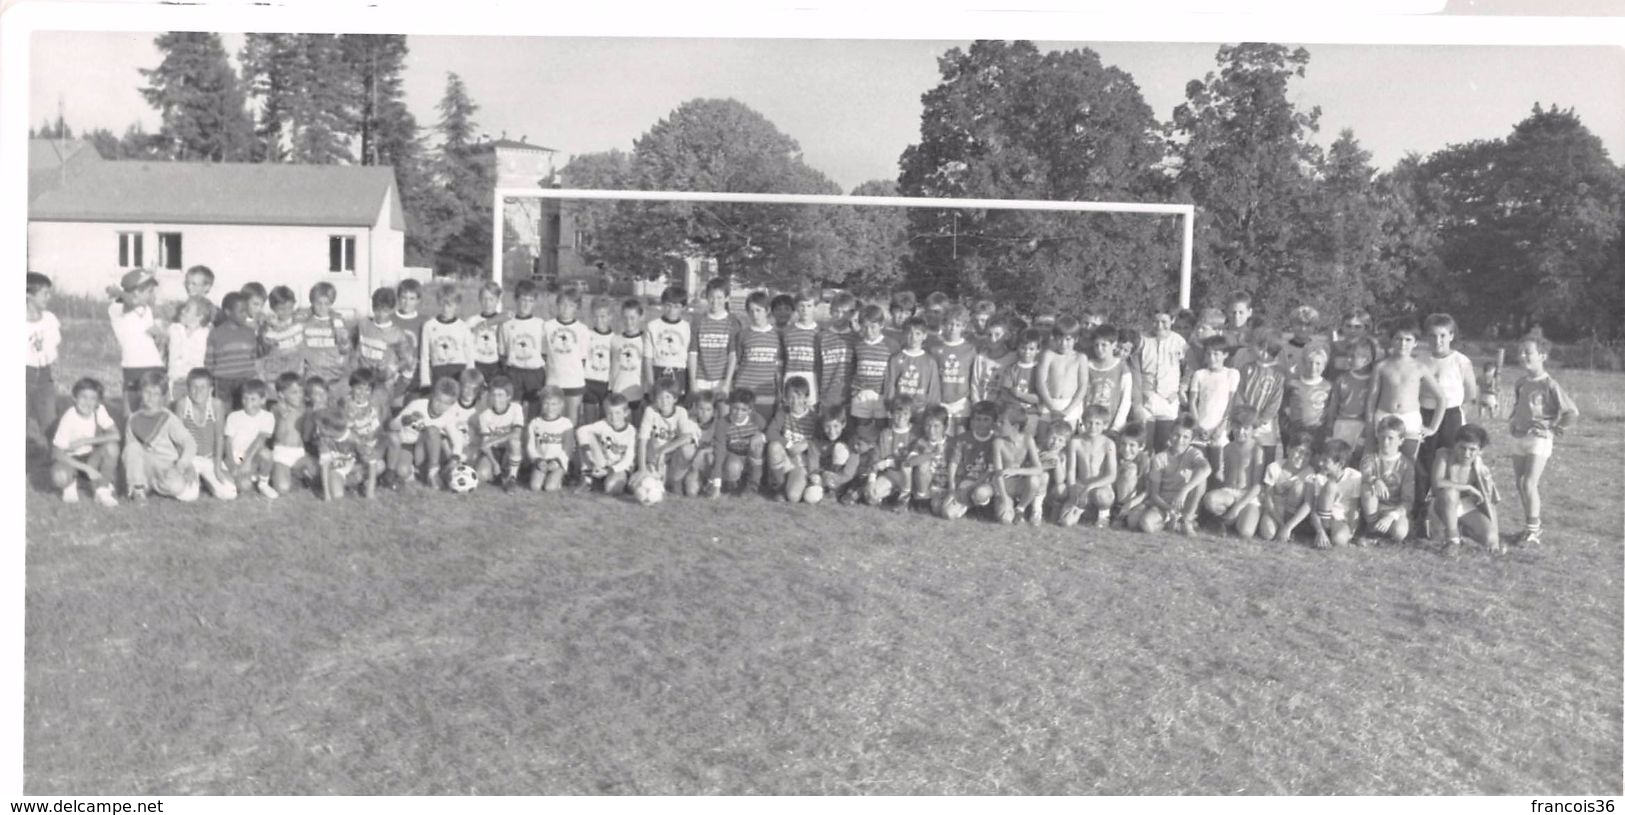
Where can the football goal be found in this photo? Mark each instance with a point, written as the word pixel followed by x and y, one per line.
pixel 1185 212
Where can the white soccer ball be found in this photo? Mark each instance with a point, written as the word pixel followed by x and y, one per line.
pixel 813 494
pixel 839 454
pixel 463 479
pixel 649 491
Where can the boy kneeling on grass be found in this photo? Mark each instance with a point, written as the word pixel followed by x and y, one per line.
pixel 159 452
pixel 1463 496
pixel 1336 497
pixel 86 444
pixel 970 462
pixel 1286 486
pixel 1236 503
pixel 738 443
pixel 1388 486
pixel 1175 484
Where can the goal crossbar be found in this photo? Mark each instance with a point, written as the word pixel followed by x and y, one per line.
pixel 1186 212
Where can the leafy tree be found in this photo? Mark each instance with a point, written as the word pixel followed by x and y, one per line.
pixel 1007 121
pixel 1243 153
pixel 200 99
pixel 1530 228
pixel 868 244
pixel 1351 223
pixel 49 129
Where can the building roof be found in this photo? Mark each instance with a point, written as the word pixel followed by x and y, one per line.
pixel 46 158
pixel 510 144
pixel 188 192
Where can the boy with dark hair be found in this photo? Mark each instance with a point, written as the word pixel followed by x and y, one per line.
pixel 254 296
pixel 791 437
pixel 1457 381
pixel 247 435
pixel 203 415
pixel 1018 380
pixel 1162 357
pixel 871 356
pixel 281 337
pixel 1091 471
pixel 738 445
pixel 1398 384
pixel 159 451
pixel 902 307
pixel 485 328
pixel 911 371
pixel 499 430
pixel 759 349
pixel 1336 497
pixel 666 342
pixel 992 355
pixel 600 358
pixel 1110 382
pixel 86 444
pixel 524 346
pixel 1388 485
pixel 1236 503
pixel 783 308
pixel 1063 373
pixel 627 368
pixel 835 343
pixel 800 341
pixel 1463 496
pixel 1262 386
pixel 1175 484
pixel 970 462
pixel 385 349
pixel 232 355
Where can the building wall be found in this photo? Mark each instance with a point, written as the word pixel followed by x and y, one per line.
pixel 82 258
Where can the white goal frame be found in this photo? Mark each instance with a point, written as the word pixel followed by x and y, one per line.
pixel 1186 212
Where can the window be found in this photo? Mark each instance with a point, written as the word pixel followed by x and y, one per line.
pixel 129 250
pixel 169 250
pixel 341 253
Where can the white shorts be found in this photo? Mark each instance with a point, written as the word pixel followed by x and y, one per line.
pixel 868 405
pixel 1412 420
pixel 1532 445
pixel 1225 498
pixel 286 455
pixel 957 409
pixel 712 385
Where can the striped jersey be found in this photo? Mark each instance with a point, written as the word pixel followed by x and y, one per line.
pixel 801 350
pixel 790 429
pixel 232 351
pixel 282 348
pixel 984 378
pixel 870 361
pixel 712 338
pixel 385 347
pixel 732 437
pixel 327 346
pixel 954 363
pixel 761 353
pixel 834 364
pixel 524 345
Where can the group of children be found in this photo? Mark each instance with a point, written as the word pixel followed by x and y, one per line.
pixel 1190 419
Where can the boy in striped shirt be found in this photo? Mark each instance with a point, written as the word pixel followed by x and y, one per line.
pixel 871 357
pixel 835 342
pixel 387 350
pixel 801 345
pixel 233 349
pixel 326 340
pixel 760 353
pixel 282 338
pixel 711 357
pixel 739 441
pixel 912 372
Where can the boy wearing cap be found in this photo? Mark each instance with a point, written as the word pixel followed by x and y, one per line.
pixel 136 329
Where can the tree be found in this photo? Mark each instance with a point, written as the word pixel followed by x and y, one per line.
pixel 868 244
pixel 197 93
pixel 1529 228
pixel 306 97
pixel 1350 224
pixel 711 145
pixel 464 213
pixel 1244 156
pixel 1007 121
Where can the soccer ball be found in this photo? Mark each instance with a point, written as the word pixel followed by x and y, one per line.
pixel 813 494
pixel 649 491
pixel 463 479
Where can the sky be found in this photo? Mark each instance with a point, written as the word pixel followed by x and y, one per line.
pixel 853 105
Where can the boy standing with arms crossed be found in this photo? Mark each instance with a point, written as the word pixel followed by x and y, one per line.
pixel 1397 385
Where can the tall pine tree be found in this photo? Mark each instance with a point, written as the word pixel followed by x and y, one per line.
pixel 465 213
pixel 202 103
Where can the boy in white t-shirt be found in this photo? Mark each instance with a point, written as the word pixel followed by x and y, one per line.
pixel 248 440
pixel 1211 391
pixel 550 442
pixel 501 426
pixel 86 444
pixel 608 448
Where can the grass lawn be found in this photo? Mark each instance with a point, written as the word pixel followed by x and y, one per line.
pixel 432 643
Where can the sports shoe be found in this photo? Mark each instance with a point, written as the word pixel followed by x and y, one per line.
pixel 70 493
pixel 1103 520
pixel 1452 547
pixel 265 488
pixel 848 498
pixel 1530 537
pixel 389 480
pixel 509 484
pixel 900 504
pixel 138 495
pixel 104 496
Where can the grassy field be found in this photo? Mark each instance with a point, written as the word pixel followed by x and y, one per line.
pixel 431 643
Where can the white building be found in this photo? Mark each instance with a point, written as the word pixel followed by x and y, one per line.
pixel 90 221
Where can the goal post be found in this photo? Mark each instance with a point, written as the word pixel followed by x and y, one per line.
pixel 1186 212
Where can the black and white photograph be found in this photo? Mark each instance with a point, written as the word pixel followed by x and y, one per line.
pixel 519 414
